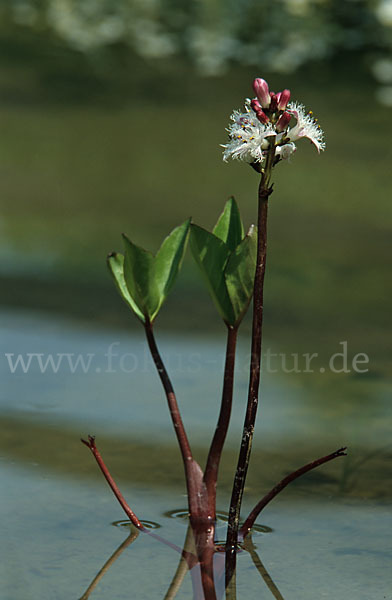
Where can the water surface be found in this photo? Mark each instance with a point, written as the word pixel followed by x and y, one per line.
pixel 330 530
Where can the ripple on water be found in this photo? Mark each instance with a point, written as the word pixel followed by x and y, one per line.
pixel 127 523
pixel 221 517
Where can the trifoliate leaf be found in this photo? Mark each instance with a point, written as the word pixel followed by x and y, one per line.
pixel 145 280
pixel 227 262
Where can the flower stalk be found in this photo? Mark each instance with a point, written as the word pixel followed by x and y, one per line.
pixel 254 378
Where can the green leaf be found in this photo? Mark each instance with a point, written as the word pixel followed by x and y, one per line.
pixel 211 255
pixel 169 258
pixel 227 260
pixel 229 225
pixel 240 273
pixel 116 267
pixel 139 278
pixel 144 280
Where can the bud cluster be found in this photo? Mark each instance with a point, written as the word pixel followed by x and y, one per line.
pixel 265 122
pixel 269 106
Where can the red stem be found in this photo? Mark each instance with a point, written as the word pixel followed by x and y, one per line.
pixel 206 558
pixel 169 391
pixel 193 473
pixel 124 505
pixel 215 452
pixel 249 522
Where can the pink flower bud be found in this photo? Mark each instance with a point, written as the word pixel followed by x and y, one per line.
pixel 274 101
pixel 262 117
pixel 261 89
pixel 255 104
pixel 283 99
pixel 283 121
pixel 260 114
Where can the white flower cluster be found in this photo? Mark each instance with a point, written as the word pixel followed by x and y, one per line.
pixel 250 138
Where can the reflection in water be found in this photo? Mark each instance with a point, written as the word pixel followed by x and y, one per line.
pixel 127 542
pixel 251 548
pixel 189 562
pixel 182 568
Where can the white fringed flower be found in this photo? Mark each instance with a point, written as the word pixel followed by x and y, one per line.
pixel 248 137
pixel 306 126
pixel 252 131
pixel 284 152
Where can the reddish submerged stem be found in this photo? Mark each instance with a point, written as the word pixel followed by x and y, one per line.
pixel 124 505
pixel 170 395
pixel 249 522
pixel 215 452
pixel 194 475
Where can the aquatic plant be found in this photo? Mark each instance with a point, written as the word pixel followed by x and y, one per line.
pixel 233 264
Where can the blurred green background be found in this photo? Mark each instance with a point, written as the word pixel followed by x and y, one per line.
pixel 111 120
